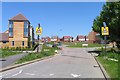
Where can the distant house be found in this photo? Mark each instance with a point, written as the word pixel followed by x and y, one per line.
pixel 54 38
pixel 67 38
pixel 46 39
pixel 4 40
pixel 94 37
pixel 82 38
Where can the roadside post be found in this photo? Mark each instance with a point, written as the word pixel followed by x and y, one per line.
pixel 38 32
pixel 105 33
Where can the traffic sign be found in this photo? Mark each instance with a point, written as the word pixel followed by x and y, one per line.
pixel 105 31
pixel 38 30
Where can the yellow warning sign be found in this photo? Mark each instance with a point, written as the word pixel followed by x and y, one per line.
pixel 38 31
pixel 105 31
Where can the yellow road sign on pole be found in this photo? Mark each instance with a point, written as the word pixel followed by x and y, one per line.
pixel 38 30
pixel 105 31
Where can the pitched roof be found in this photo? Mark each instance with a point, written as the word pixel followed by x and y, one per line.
pixel 67 37
pixel 54 37
pixel 19 17
pixel 4 37
pixel 81 36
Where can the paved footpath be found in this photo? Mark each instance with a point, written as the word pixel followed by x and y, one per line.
pixel 8 61
pixel 72 63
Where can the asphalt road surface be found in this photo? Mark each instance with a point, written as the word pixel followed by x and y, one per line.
pixel 71 63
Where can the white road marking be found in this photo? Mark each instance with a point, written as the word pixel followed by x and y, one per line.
pixel 75 75
pixel 17 73
pixel 29 74
pixel 5 74
pixel 51 74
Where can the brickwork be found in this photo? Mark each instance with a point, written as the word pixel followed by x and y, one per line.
pixel 18 35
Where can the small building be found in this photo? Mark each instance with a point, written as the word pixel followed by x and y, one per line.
pixel 67 38
pixel 4 40
pixel 54 38
pixel 81 38
pixel 46 39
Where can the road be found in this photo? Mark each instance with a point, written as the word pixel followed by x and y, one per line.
pixel 72 63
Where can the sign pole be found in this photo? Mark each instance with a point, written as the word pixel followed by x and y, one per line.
pixel 38 32
pixel 105 37
pixel 38 45
pixel 38 39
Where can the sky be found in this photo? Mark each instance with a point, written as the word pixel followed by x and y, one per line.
pixel 56 18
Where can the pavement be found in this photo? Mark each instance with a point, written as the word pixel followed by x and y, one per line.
pixel 71 63
pixel 8 61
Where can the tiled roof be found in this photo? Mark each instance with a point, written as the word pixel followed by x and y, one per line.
pixel 67 37
pixel 4 37
pixel 81 36
pixel 19 17
pixel 54 37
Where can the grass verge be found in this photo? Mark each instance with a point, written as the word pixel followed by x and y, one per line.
pixel 6 53
pixel 79 45
pixel 46 51
pixel 110 66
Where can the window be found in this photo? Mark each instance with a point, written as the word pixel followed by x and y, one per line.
pixel 22 43
pixel 12 43
pixel 10 28
pixel 25 24
pixel 26 29
pixel 4 42
pixel 10 24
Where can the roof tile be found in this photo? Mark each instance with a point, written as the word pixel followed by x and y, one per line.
pixel 19 17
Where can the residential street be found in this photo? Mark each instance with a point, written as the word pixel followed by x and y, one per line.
pixel 71 63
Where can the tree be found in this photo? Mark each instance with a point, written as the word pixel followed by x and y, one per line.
pixel 111 15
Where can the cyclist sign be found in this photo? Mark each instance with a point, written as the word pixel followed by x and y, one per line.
pixel 105 31
pixel 38 30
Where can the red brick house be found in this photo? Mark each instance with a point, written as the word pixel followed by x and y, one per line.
pixel 46 39
pixel 81 38
pixel 94 37
pixel 67 39
pixel 54 38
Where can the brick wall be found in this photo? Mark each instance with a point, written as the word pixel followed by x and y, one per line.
pixel 18 35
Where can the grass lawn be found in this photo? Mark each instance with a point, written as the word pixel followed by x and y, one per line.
pixel 79 45
pixel 6 53
pixel 110 66
pixel 46 51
